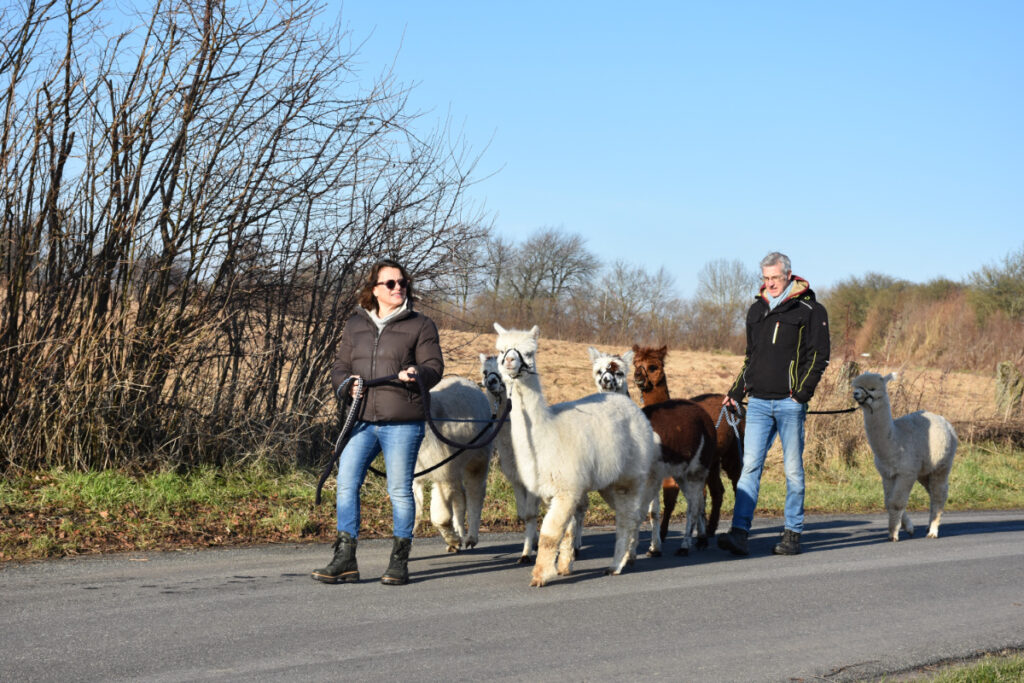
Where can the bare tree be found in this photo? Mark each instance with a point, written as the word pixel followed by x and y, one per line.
pixel 726 288
pixel 187 207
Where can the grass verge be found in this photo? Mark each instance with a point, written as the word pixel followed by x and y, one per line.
pixel 59 513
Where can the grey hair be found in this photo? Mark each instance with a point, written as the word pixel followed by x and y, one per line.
pixel 777 258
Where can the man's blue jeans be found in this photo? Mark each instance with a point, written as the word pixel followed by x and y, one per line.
pixel 400 443
pixel 765 419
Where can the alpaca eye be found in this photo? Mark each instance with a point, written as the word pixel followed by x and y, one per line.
pixel 652 368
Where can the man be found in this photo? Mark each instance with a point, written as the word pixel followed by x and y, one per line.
pixel 787 350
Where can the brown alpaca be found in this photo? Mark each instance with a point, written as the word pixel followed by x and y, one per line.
pixel 649 377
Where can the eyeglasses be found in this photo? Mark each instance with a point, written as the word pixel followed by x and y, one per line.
pixel 775 278
pixel 391 284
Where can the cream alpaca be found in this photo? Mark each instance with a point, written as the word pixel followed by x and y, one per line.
pixel 600 443
pixel 527 504
pixel 459 486
pixel 916 447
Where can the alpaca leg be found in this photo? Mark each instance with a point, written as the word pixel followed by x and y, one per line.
pixel 552 531
pixel 567 548
pixel 629 503
pixel 717 491
pixel 475 480
pixel 578 517
pixel 418 493
pixel 937 484
pixel 693 492
pixel 896 504
pixel 441 514
pixel 654 514
pixel 527 507
pixel 670 492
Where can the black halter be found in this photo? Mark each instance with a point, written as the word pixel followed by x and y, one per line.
pixel 525 367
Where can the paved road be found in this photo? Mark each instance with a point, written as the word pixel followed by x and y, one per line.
pixel 852 606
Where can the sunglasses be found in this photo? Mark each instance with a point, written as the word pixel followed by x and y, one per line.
pixel 391 284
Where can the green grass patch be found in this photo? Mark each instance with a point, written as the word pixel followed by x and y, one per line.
pixel 1002 667
pixel 57 513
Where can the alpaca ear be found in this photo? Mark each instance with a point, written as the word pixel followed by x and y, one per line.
pixel 594 354
pixel 663 351
pixel 627 357
pixel 890 377
pixel 499 329
pixel 535 331
pixel 483 358
pixel 636 348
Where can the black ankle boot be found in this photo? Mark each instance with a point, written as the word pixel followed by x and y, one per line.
pixel 397 573
pixel 343 568
pixel 789 545
pixel 735 541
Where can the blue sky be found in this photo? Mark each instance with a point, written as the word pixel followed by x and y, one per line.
pixel 853 136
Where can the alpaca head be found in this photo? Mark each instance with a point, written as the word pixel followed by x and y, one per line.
pixel 869 390
pixel 517 352
pixel 610 370
pixel 649 367
pixel 491 376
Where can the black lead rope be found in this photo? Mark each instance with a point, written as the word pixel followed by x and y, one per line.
pixel 478 441
pixel 818 412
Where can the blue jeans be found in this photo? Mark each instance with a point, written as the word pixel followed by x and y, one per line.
pixel 400 443
pixel 765 419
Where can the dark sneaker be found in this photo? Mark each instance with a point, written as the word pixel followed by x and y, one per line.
pixel 397 573
pixel 343 568
pixel 735 541
pixel 789 545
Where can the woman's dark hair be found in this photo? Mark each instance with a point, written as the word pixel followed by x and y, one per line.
pixel 366 298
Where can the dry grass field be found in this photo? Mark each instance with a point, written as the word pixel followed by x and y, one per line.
pixel 565 375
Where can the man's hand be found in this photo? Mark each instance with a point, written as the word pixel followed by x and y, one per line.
pixel 408 375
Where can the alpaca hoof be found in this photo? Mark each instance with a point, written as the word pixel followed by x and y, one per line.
pixel 470 544
pixel 932 534
pixel 683 552
pixel 630 562
pixel 524 559
pixel 653 553
pixel 536 583
pixel 453 548
pixel 702 543
pixel 611 572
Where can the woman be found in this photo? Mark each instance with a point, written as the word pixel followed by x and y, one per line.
pixel 383 337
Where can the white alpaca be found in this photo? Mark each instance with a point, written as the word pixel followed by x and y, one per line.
pixel 916 447
pixel 611 376
pixel 457 498
pixel 611 372
pixel 527 504
pixel 600 443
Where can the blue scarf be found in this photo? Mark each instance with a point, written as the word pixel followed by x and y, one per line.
pixel 774 301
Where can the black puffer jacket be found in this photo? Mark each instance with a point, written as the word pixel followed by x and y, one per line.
pixel 408 339
pixel 787 347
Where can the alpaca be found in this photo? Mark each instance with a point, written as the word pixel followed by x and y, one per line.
pixel 457 498
pixel 649 376
pixel 610 371
pixel 527 504
pixel 601 442
pixel 610 376
pixel 919 446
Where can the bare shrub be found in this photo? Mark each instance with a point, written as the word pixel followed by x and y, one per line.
pixel 187 208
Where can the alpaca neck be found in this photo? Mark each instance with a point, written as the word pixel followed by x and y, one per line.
pixel 656 395
pixel 879 426
pixel 529 416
